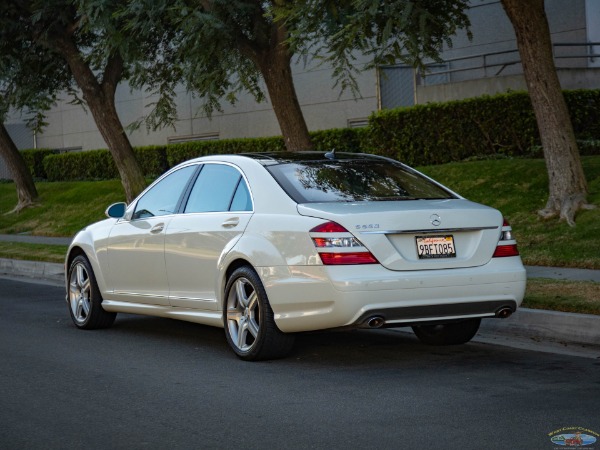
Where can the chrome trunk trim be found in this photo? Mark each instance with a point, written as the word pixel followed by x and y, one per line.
pixel 428 230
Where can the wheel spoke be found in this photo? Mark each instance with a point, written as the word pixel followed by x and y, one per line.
pixel 85 304
pixel 241 293
pixel 242 334
pixel 85 287
pixel 252 300
pixel 78 310
pixel 81 277
pixel 253 327
pixel 234 315
pixel 73 288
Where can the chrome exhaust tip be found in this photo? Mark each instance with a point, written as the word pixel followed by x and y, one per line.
pixel 375 322
pixel 504 313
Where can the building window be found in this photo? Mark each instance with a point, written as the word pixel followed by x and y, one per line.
pixel 192 138
pixel 358 123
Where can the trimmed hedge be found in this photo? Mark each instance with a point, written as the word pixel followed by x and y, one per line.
pixel 83 165
pixel 34 159
pixel 484 127
pixel 177 153
pixel 500 125
pixel 99 164
pixel 152 159
pixel 342 139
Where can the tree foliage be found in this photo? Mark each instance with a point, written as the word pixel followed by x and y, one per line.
pixel 30 81
pixel 217 50
pixel 412 31
pixel 84 42
pixel 388 32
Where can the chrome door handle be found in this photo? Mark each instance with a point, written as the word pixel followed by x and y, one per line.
pixel 157 228
pixel 230 223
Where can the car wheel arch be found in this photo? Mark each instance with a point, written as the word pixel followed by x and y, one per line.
pixel 74 252
pixel 80 250
pixel 232 266
pixel 250 250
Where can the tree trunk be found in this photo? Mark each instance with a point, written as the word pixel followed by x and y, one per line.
pixel 274 62
pixel 26 192
pixel 280 85
pixel 567 184
pixel 100 98
pixel 105 115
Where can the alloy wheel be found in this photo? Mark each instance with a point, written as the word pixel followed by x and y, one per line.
pixel 80 293
pixel 243 314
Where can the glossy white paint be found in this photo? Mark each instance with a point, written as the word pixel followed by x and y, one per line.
pixel 194 245
pixel 377 226
pixel 136 261
pixel 313 298
pixel 175 265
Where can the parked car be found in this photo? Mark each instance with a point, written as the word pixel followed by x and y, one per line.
pixel 270 244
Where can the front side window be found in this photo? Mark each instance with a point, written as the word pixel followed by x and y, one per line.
pixel 219 188
pixel 353 181
pixel 163 197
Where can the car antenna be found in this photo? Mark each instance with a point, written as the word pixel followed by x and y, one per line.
pixel 330 155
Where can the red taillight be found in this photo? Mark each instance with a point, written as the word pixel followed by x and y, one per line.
pixel 333 248
pixel 504 249
pixel 334 259
pixel 329 227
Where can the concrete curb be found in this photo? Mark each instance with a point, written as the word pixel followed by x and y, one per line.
pixel 555 326
pixel 27 239
pixel 33 269
pixel 532 324
pixel 563 273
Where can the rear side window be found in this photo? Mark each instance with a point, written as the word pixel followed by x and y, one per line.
pixel 353 181
pixel 219 188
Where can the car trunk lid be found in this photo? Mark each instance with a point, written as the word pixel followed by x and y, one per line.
pixel 418 234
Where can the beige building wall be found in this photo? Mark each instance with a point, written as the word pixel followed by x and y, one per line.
pixel 323 105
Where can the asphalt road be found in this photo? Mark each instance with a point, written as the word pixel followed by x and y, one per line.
pixel 159 383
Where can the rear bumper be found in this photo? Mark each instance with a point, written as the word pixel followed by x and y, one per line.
pixel 306 298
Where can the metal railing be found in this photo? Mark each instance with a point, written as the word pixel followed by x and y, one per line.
pixel 493 64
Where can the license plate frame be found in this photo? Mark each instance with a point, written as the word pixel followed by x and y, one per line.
pixel 435 247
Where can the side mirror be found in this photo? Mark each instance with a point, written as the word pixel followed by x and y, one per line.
pixel 116 210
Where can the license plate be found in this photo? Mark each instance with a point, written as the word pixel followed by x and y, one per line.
pixel 435 247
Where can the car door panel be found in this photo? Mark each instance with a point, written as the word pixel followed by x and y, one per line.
pixel 215 215
pixel 137 263
pixel 136 259
pixel 194 245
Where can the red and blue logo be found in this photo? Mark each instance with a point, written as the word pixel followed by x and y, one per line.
pixel 574 437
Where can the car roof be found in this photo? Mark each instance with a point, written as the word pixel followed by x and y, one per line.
pixel 266 159
pixel 285 157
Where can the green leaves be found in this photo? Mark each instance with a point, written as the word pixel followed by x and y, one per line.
pixel 388 32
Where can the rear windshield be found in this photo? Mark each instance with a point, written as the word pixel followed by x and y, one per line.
pixel 352 181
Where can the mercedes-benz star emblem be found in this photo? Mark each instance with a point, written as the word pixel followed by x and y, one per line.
pixel 436 220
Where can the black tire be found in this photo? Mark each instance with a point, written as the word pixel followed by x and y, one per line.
pixel 250 328
pixel 454 333
pixel 84 298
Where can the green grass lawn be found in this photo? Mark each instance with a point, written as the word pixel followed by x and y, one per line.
pixel 64 208
pixel 33 252
pixel 519 188
pixel 561 295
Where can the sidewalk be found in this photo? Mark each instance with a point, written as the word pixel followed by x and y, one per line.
pixel 35 239
pixel 535 326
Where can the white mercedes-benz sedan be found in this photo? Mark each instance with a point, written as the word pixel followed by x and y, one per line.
pixel 268 245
